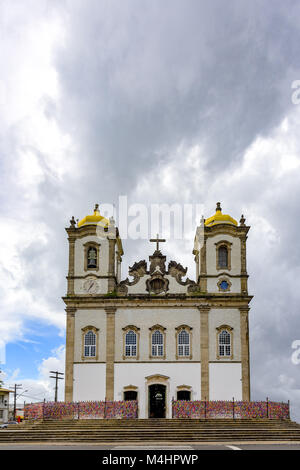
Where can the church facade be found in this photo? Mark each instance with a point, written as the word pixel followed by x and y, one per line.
pixel 157 334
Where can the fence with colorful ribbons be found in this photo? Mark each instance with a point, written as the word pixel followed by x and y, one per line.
pixel 230 409
pixel 82 410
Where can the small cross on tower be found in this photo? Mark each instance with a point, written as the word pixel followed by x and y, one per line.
pixel 157 240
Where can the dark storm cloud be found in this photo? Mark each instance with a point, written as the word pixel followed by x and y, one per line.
pixel 138 77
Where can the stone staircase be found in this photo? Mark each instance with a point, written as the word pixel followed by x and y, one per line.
pixel 152 430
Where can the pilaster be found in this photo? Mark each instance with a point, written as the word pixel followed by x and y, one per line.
pixel 71 272
pixel 203 269
pixel 70 338
pixel 204 345
pixel 110 352
pixel 111 265
pixel 244 325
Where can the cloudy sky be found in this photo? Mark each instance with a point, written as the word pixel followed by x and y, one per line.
pixel 163 102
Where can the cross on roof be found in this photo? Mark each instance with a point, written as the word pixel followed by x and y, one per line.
pixel 157 240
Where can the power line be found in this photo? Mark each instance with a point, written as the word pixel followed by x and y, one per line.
pixel 35 398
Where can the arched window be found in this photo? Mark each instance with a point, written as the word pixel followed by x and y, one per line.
pixel 223 257
pixel 183 343
pixel 130 344
pixel 92 257
pixel 157 343
pixel 130 395
pixel 90 344
pixel 131 339
pixel 224 344
pixel 184 395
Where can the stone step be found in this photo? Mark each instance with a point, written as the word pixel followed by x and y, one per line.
pixel 120 435
pixel 160 439
pixel 162 430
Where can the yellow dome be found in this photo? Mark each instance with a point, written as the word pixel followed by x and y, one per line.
pixel 94 219
pixel 220 218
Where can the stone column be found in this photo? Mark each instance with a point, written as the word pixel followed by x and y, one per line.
pixel 70 338
pixel 118 273
pixel 204 345
pixel 197 265
pixel 111 265
pixel 244 326
pixel 203 271
pixel 110 352
pixel 71 272
pixel 244 276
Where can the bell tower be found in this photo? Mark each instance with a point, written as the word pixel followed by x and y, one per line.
pixel 220 254
pixel 95 255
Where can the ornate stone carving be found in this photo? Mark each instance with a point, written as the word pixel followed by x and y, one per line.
pixel 137 270
pixel 157 284
pixel 157 262
pixel 177 271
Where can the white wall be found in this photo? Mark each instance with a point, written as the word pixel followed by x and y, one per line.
pixel 211 259
pixel 79 256
pixel 89 382
pixel 96 318
pixel 135 374
pixel 225 381
pixel 212 284
pixel 145 318
pixel 224 316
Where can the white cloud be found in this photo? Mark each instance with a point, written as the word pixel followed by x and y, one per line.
pixel 43 386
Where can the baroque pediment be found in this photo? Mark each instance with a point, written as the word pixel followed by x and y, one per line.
pixel 157 278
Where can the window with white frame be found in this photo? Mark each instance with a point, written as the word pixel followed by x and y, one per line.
pixel 157 343
pixel 224 343
pixel 90 344
pixel 130 344
pixel 183 343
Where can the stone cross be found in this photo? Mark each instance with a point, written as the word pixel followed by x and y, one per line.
pixel 157 240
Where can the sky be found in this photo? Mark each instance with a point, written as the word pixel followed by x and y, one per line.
pixel 168 102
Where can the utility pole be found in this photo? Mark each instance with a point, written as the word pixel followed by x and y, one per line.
pixel 16 387
pixel 56 377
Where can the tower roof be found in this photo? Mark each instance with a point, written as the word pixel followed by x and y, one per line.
pixel 219 218
pixel 94 219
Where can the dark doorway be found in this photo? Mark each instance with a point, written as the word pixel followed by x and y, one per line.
pixel 157 401
pixel 184 395
pixel 130 395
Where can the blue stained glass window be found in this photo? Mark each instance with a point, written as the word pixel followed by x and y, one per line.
pixel 224 285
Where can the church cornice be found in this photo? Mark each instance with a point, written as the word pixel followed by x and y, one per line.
pixel 236 231
pixel 176 301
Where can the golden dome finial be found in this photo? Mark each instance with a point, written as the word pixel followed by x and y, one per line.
pixel 220 218
pixel 94 219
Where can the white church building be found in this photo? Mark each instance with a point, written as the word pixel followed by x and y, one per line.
pixel 157 334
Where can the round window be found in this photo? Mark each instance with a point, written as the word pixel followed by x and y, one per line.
pixel 224 285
